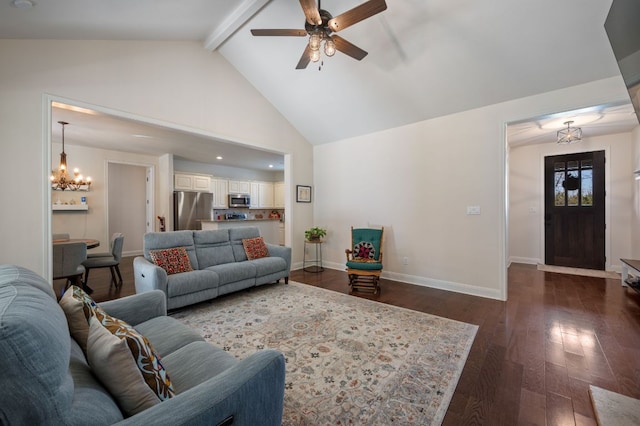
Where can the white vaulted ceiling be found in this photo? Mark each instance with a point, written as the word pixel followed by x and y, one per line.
pixel 426 58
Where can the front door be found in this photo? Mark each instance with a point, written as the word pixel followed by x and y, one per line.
pixel 574 210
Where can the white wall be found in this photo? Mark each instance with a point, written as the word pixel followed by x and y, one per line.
pixel 418 180
pixel 526 191
pixel 175 83
pixel 635 221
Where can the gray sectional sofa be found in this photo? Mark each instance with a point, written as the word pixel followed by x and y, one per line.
pixel 219 263
pixel 47 380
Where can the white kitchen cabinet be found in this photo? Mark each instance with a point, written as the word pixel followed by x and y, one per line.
pixel 266 195
pixel 278 195
pixel 239 187
pixel 190 182
pixel 220 188
pixel 261 195
pixel 255 195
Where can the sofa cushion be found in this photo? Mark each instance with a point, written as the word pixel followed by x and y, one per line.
pixel 173 260
pixel 166 335
pixel 196 363
pixel 213 247
pixel 232 272
pixel 126 364
pixel 165 240
pixel 269 265
pixel 191 282
pixel 255 248
pixel 35 347
pixel 78 307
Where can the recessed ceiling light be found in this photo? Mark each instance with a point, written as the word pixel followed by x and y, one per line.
pixel 143 136
pixel 271 166
pixel 218 158
pixel 22 4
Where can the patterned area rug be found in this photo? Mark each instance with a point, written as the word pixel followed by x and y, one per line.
pixel 349 360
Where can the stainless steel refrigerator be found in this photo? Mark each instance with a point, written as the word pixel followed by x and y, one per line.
pixel 189 208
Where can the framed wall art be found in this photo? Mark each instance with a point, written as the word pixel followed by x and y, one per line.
pixel 303 194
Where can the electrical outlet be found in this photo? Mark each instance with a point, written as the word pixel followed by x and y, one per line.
pixel 405 260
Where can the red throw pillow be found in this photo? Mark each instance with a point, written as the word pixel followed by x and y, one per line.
pixel 173 260
pixel 255 248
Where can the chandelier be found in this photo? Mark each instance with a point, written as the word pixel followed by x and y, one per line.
pixel 60 179
pixel 570 134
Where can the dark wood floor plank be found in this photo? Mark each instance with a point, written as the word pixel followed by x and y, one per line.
pixel 534 355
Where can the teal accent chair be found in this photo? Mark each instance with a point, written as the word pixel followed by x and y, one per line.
pixel 364 259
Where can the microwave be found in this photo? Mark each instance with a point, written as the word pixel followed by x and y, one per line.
pixel 239 200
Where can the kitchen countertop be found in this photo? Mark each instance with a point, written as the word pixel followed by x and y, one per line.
pixel 240 220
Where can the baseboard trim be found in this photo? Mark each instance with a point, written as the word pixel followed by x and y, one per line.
pixel 424 282
pixel 579 271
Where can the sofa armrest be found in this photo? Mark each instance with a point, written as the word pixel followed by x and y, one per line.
pixel 252 391
pixel 137 308
pixel 148 276
pixel 280 251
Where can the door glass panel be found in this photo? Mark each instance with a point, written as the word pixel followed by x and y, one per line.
pixel 559 188
pixel 558 166
pixel 572 165
pixel 586 183
pixel 572 185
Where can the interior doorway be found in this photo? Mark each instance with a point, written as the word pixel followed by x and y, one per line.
pixel 574 217
pixel 129 207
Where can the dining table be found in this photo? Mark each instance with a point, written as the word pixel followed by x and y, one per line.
pixel 90 242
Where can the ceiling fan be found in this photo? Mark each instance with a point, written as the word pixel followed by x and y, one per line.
pixel 320 25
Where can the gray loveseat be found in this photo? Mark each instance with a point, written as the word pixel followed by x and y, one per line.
pixel 219 263
pixel 46 378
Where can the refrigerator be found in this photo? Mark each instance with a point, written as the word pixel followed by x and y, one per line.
pixel 189 208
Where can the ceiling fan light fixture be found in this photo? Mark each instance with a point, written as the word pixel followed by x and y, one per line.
pixel 314 55
pixel 570 134
pixel 329 47
pixel 314 41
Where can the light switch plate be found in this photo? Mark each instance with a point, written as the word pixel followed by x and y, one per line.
pixel 473 209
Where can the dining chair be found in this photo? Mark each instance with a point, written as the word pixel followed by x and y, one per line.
pixel 67 262
pixel 107 260
pixel 61 236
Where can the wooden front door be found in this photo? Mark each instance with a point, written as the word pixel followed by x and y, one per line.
pixel 574 210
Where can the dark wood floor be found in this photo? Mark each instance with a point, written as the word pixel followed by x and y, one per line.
pixel 534 356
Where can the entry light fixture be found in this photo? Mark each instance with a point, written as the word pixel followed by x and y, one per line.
pixel 570 134
pixel 60 179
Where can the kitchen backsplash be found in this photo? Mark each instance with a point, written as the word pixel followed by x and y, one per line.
pixel 253 214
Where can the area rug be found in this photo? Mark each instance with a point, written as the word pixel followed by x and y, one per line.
pixel 614 409
pixel 348 360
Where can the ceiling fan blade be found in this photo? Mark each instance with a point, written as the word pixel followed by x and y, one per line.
pixel 279 32
pixel 348 48
pixel 304 59
pixel 311 12
pixel 357 14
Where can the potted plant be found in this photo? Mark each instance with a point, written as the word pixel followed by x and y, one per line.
pixel 315 233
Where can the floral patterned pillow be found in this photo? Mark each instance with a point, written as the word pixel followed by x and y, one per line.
pixel 126 364
pixel 173 260
pixel 255 248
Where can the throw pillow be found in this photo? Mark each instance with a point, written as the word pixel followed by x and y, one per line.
pixel 126 364
pixel 172 260
pixel 255 248
pixel 78 307
pixel 364 250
